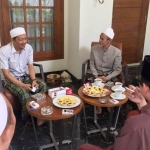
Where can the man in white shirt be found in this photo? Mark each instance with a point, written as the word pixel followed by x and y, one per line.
pixel 14 57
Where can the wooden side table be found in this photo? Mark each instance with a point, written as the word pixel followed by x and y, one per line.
pixel 56 115
pixel 94 101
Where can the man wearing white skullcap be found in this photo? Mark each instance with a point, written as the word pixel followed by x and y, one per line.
pixel 105 59
pixel 14 57
pixel 17 31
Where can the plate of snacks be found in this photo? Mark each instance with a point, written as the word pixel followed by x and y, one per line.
pixel 66 101
pixel 96 91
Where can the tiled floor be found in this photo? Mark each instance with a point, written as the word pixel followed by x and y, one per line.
pixel 24 138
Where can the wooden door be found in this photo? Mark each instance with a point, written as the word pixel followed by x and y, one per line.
pixel 129 24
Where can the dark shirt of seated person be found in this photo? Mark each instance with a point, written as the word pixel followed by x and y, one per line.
pixel 135 134
pixel 105 59
pixel 7 125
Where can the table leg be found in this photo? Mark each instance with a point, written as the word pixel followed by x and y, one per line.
pixel 109 123
pixel 98 126
pixel 73 126
pixel 84 114
pixel 37 141
pixel 51 134
pixel 116 118
pixel 95 121
pixel 60 134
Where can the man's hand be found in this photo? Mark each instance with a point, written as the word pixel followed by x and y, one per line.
pixel 104 79
pixel 34 84
pixel 27 86
pixel 136 96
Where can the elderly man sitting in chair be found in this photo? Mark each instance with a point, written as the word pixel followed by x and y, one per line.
pixel 105 59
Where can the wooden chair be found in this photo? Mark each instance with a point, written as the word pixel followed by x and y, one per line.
pixel 14 101
pixel 123 75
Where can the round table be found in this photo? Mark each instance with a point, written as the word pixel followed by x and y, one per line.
pixel 94 101
pixel 56 115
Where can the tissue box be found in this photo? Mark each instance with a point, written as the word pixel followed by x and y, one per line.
pixel 56 92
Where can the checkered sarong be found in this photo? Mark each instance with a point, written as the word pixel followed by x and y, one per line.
pixel 22 93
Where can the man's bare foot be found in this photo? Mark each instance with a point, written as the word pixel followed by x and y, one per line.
pixel 40 122
pixel 98 110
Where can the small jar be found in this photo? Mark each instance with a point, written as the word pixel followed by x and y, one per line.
pixel 47 110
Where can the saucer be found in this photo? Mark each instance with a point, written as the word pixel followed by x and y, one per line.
pixel 119 98
pixel 122 88
pixel 102 84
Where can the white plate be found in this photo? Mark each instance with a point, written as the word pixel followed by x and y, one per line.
pixel 102 84
pixel 78 101
pixel 3 114
pixel 118 98
pixel 122 88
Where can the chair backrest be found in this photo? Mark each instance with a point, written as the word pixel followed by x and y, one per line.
pixel 115 44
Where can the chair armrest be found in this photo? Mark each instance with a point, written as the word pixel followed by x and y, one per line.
pixel 85 65
pixel 41 70
pixel 124 63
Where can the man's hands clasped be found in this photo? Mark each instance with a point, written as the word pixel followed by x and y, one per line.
pixel 30 86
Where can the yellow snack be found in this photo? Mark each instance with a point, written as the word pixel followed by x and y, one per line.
pixel 66 101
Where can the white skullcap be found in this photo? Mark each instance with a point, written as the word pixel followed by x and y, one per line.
pixel 109 32
pixel 3 114
pixel 17 31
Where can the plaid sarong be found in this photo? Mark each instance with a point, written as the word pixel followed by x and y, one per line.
pixel 24 94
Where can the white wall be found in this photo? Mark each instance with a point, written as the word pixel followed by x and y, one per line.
pixel 147 36
pixel 73 36
pixel 84 21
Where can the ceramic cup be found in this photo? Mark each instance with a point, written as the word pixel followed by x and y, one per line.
pixel 118 92
pixel 98 82
pixel 118 85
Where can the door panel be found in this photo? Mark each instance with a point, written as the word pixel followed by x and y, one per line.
pixel 129 25
pixel 128 3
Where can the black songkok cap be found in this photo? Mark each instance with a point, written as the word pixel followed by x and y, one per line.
pixel 146 68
